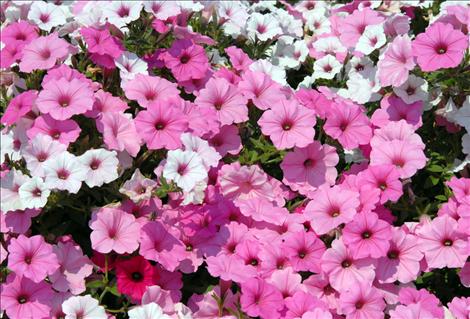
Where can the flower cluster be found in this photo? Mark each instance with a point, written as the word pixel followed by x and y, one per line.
pixel 235 159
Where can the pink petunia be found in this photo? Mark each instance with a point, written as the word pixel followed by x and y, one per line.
pixel 396 62
pixel 261 209
pixel 19 106
pixel 161 125
pixel 385 178
pixel 32 257
pixel 402 261
pixel 226 99
pixel 441 46
pixel 161 243
pixel 119 132
pixel 353 25
pixel 146 89
pixel 186 60
pixel 460 307
pixel 330 207
pixel 304 250
pixel 62 99
pixel 19 221
pixel 367 236
pixel 65 132
pixel 239 59
pixel 260 89
pixel 260 299
pixel 461 189
pixel 21 32
pixel 393 108
pixel 104 103
pixel 442 244
pixel 362 301
pixel 114 230
pixel 227 141
pixel 305 169
pixel 343 270
pixel 348 124
pixel 42 53
pixel 288 124
pixel 25 299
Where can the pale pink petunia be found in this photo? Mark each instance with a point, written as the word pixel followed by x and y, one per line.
pixel 62 99
pixel 119 132
pixel 402 261
pixel 65 132
pixel 25 299
pixel 286 280
pixel 441 46
pixel 32 257
pixel 41 148
pixel 461 189
pixel 352 26
pixel 307 168
pixel 105 102
pixel 260 209
pixel 74 268
pixel 227 141
pixel 18 107
pixel 343 270
pixel 146 89
pixel 260 299
pixel 304 250
pixel 138 187
pixel 442 244
pixel 361 302
pixel 42 53
pixel 64 172
pixel 226 99
pixel 160 243
pixel 412 311
pixel 288 124
pixel 367 236
pixel 400 131
pixel 330 207
pixel 17 33
pixel 230 267
pixel 260 89
pixel 348 124
pixel 161 125
pixel 396 62
pixel 114 230
pixel 385 178
pixel 460 307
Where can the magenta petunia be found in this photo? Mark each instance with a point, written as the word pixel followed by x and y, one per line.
pixel 146 89
pixel 62 99
pixel 186 60
pixel 32 257
pixel 42 53
pixel 134 275
pixel 441 46
pixel 288 124
pixel 161 125
pixel 21 32
pixel 114 230
pixel 393 108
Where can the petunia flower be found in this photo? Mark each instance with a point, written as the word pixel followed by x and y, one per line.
pixel 150 310
pixel 134 276
pixel 385 178
pixel 146 89
pixel 39 150
pixel 101 166
pixel 34 193
pixel 260 89
pixel 330 207
pixel 162 10
pixel 65 132
pixel 304 250
pixel 441 46
pixel 288 124
pixel 259 298
pixel 19 106
pixel 25 299
pixel 186 60
pixel 119 132
pixel 46 15
pixel 19 221
pixel 32 257
pixel 121 12
pixel 362 301
pixel 114 230
pixel 185 168
pixel 226 99
pixel 64 172
pixel 352 26
pixel 42 53
pixel 209 156
pixel 393 108
pixel 83 307
pixel 227 141
pixel 138 187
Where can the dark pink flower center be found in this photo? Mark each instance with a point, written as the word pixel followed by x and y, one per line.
pixel 189 247
pixel 448 242
pixel 346 263
pixel 343 126
pixel 393 254
pixel 28 259
pixel 150 96
pixel 441 49
pixel 41 157
pixel 359 304
pixel 64 101
pixel 310 6
pixel 309 162
pixel 287 125
pixel 410 90
pixel 182 169
pixel 95 164
pixel 155 7
pixel 159 125
pixel 366 234
pixel 302 253
pixel 55 134
pixel 218 104
pixel 63 174
pixel 44 17
pixel 45 54
pixel 334 212
pixel 185 58
pixel 253 262
pixel 359 67
pixel 399 162
pixel 374 41
pixel 22 299
pixel 137 276
pixel 123 11
pixel 327 68
pixel 261 28
pixel 37 192
pixel 20 36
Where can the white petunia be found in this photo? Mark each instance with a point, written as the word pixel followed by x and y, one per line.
pixel 326 67
pixel 64 172
pixel 90 15
pixel 148 311
pixel 120 13
pixel 362 65
pixel 263 27
pixel 185 168
pixel 46 15
pixel 463 115
pixel 162 10
pixel 466 144
pixel 190 6
pixel 288 54
pixel 41 148
pixel 34 193
pixel 363 87
pixel 83 307
pixel 129 65
pixel 289 24
pixel 9 188
pixel 414 89
pixel 329 45
pixel 317 21
pixel 208 154
pixel 372 38
pixel 196 195
pixel 276 73
pixel 101 166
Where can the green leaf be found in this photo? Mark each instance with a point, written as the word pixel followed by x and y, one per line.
pixel 114 291
pixel 95 284
pixel 435 169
